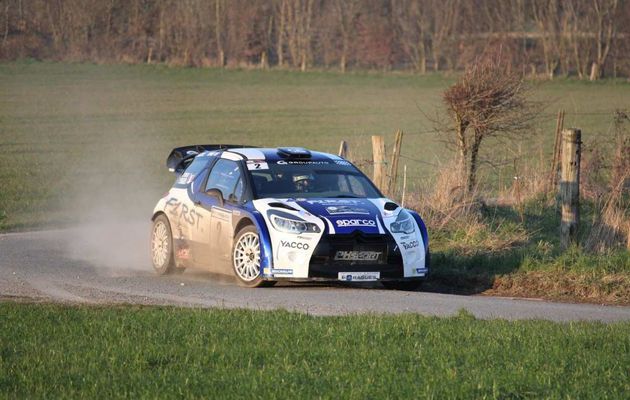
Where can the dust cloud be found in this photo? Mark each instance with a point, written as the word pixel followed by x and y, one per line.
pixel 115 182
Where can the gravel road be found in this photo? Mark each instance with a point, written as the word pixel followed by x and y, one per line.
pixel 110 265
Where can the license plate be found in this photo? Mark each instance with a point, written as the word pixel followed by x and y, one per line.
pixel 359 276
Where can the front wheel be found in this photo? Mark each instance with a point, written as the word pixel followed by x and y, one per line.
pixel 246 258
pixel 407 286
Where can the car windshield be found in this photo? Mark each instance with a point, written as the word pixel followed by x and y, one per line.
pixel 308 179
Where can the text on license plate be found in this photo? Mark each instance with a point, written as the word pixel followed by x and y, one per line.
pixel 359 276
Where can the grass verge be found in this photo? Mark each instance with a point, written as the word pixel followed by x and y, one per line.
pixel 57 351
pixel 495 253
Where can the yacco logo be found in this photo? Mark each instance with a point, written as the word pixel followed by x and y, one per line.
pixel 294 245
pixel 355 222
pixel 410 245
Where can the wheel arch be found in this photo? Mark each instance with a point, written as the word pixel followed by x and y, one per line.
pixel 242 223
pixel 256 219
pixel 423 229
pixel 157 214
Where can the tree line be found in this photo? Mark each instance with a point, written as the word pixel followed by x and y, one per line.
pixel 585 38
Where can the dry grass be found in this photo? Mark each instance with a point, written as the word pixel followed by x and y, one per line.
pixel 529 183
pixel 611 228
pixel 445 201
pixel 447 207
pixel 562 285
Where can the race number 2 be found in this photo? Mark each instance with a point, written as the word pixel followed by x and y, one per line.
pixel 256 164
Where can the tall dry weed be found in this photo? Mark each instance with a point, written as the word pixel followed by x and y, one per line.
pixel 446 200
pixel 612 225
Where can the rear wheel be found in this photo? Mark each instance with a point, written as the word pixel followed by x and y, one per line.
pixel 408 286
pixel 162 246
pixel 246 258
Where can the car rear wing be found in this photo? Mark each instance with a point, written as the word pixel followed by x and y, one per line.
pixel 180 157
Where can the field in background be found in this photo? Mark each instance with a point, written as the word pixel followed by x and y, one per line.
pixel 94 352
pixel 83 142
pixel 78 138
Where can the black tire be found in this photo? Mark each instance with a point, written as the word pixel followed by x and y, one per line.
pixel 253 275
pixel 407 286
pixel 162 241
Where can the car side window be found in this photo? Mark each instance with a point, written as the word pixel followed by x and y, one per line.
pixel 191 172
pixel 226 177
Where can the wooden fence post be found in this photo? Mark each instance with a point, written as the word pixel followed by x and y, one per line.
pixel 393 166
pixel 378 156
pixel 570 186
pixel 404 189
pixel 343 149
pixel 553 172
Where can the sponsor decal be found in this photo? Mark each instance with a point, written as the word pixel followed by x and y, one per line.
pixel 294 245
pixel 222 214
pixel 358 276
pixel 183 253
pixel 357 255
pixel 410 245
pixel 355 222
pixel 421 271
pixel 257 164
pixel 180 210
pixel 278 271
pixel 282 162
pixel 333 202
pixel 345 209
pixel 342 162
pixel 185 178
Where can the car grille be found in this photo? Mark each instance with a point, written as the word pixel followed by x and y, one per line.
pixel 355 252
pixel 352 249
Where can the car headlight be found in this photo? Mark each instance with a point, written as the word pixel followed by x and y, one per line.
pixel 291 224
pixel 404 223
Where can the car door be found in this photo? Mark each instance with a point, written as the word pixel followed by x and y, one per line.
pixel 180 208
pixel 216 203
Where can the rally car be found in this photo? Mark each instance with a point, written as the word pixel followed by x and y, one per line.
pixel 271 214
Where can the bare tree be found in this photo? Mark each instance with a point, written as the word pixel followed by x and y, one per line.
pixel 445 21
pixel 219 17
pixel 346 12
pixel 588 38
pixel 605 24
pixel 299 14
pixel 411 23
pixel 546 14
pixel 488 100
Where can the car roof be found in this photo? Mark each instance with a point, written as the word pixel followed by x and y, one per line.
pixel 275 154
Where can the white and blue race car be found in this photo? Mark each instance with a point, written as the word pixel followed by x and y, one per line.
pixel 271 214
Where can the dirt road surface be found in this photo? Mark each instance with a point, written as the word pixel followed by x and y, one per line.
pixel 110 265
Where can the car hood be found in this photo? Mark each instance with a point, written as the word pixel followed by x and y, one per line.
pixel 345 216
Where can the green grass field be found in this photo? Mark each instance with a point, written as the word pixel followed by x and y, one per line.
pixel 75 134
pixel 92 352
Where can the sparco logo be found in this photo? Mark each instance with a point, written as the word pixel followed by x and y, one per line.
pixel 294 245
pixel 357 255
pixel 355 222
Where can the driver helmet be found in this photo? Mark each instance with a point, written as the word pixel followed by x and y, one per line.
pixel 303 182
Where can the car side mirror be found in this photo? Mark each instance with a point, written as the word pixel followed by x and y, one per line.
pixel 232 198
pixel 216 193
